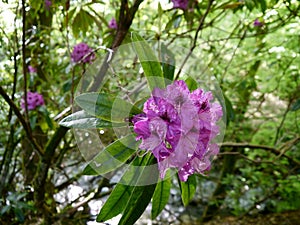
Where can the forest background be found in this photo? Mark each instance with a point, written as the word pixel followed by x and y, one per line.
pixel 252 50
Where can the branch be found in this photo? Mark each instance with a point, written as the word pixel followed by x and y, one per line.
pixel 286 146
pixel 22 120
pixel 247 145
pixel 42 172
pixel 279 152
pixel 124 23
pixel 245 157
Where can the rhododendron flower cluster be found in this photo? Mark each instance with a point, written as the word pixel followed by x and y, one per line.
pixel 178 127
pixel 34 100
pixel 82 52
pixel 113 24
pixel 180 4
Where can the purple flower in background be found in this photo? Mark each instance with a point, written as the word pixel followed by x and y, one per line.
pixel 180 4
pixel 32 69
pixel 113 24
pixel 82 52
pixel 48 4
pixel 178 127
pixel 258 23
pixel 34 100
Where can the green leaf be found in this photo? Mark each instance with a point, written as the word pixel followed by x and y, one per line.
pixel 296 106
pixel 250 4
pixel 35 4
pixel 32 121
pixel 263 5
pixel 19 214
pixel 160 197
pixel 188 189
pixel 174 22
pixel 191 83
pixel 137 204
pixel 82 21
pixel 140 196
pixel 168 63
pixel 149 61
pixel 116 202
pixel 82 120
pixel 106 107
pixel 160 10
pixel 129 199
pixel 113 156
pixel 177 21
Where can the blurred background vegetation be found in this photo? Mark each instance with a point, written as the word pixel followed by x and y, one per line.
pixel 251 47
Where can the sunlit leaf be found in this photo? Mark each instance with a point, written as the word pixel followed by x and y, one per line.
pixel 106 107
pixel 82 120
pixel 191 83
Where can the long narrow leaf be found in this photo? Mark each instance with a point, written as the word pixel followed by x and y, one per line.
pixel 188 189
pixel 160 197
pixel 116 202
pixel 121 198
pixel 140 196
pixel 149 61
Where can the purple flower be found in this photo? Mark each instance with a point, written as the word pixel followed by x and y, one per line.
pixel 48 4
pixel 180 4
pixel 258 23
pixel 113 24
pixel 82 53
pixel 34 100
pixel 177 126
pixel 32 69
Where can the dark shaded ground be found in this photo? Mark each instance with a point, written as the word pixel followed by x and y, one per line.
pixel 285 218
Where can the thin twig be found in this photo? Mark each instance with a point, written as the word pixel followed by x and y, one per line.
pixel 201 23
pixel 245 157
pixel 282 121
pixel 275 151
